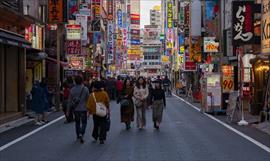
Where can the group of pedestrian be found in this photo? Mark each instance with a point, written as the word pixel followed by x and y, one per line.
pixel 85 100
pixel 40 101
pixel 137 96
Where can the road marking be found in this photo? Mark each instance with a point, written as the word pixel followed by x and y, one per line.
pixel 29 134
pixel 264 147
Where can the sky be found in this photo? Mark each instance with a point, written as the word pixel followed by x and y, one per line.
pixel 146 5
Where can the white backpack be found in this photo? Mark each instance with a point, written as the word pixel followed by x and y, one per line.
pixel 101 109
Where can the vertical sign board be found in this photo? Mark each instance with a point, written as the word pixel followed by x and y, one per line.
pixel 243 25
pixel 72 9
pixel 55 11
pixel 169 15
pixel 119 18
pixel 110 56
pixel 82 20
pixel 265 24
pixel 110 9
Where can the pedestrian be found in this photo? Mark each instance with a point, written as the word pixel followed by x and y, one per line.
pixel 66 93
pixel 159 103
pixel 150 89
pixel 100 123
pixel 47 106
pixel 167 85
pixel 77 102
pixel 38 103
pixel 126 102
pixel 119 87
pixel 140 97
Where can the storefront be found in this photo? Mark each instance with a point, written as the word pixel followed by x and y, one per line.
pixel 12 74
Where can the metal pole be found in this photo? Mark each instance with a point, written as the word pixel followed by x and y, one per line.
pixel 57 98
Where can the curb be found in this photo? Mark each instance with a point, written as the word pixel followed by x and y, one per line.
pixel 15 123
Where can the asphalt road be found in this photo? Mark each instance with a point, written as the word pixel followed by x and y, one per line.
pixel 185 134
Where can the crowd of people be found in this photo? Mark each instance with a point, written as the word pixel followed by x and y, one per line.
pixel 82 99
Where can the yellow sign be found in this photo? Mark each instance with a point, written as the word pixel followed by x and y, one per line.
pixel 134 51
pixel 165 58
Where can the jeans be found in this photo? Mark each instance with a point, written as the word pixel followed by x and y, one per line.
pixel 80 122
pixel 99 130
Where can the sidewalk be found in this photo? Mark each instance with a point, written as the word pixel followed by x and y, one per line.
pixel 255 130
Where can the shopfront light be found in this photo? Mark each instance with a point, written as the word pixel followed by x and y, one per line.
pixel 262 68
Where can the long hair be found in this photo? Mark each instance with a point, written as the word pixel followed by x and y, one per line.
pixel 138 84
pixel 125 83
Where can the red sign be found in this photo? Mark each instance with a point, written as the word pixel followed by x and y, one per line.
pixel 190 66
pixel 73 47
pixel 55 11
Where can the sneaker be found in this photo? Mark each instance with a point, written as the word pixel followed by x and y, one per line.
pixel 38 123
pixel 42 122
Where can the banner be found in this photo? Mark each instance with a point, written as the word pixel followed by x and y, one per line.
pixel 72 9
pixel 119 18
pixel 55 11
pixel 243 25
pixel 211 13
pixel 169 15
pixel 73 47
pixel 82 20
pixel 195 49
pixel 265 31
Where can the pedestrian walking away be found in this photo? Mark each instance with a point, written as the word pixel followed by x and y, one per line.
pixel 159 103
pixel 119 87
pixel 77 102
pixel 66 93
pixel 167 86
pixel 47 105
pixel 126 103
pixel 140 99
pixel 100 123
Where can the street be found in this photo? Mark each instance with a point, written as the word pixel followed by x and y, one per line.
pixel 185 134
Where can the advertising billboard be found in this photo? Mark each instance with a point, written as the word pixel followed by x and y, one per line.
pixel 265 27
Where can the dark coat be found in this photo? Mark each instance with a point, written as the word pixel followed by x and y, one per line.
pixel 127 113
pixel 38 99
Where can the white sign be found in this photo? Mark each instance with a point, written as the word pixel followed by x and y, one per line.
pixel 265 35
pixel 73 32
pixel 82 20
pixel 210 46
pixel 85 11
pixel 110 55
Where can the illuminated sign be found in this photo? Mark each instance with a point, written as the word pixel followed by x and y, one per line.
pixel 169 15
pixel 265 31
pixel 73 47
pixel 73 32
pixel 210 46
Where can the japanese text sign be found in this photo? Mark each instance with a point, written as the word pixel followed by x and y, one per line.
pixel 55 11
pixel 73 47
pixel 265 35
pixel 243 26
pixel 170 15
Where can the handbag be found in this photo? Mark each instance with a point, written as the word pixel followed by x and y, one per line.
pixel 124 102
pixel 138 103
pixel 101 109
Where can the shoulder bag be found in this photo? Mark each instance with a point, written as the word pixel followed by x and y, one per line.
pixel 101 109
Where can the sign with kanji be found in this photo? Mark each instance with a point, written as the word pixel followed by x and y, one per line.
pixel 73 47
pixel 55 11
pixel 243 22
pixel 170 15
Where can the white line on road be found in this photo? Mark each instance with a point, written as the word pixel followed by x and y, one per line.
pixel 29 134
pixel 264 147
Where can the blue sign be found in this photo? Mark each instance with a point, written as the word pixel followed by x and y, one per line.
pixel 135 42
pixel 181 39
pixel 119 18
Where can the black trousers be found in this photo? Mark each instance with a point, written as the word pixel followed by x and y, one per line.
pixel 80 122
pixel 99 131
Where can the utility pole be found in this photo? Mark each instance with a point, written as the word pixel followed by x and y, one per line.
pixel 59 37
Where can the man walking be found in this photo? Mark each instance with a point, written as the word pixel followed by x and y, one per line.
pixel 77 102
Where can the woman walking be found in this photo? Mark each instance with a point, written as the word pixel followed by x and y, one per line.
pixel 100 123
pixel 126 102
pixel 77 102
pixel 158 96
pixel 38 102
pixel 140 99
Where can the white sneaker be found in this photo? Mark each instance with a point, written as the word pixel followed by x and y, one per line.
pixel 38 123
pixel 42 122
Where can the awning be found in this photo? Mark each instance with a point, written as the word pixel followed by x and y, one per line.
pixel 13 39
